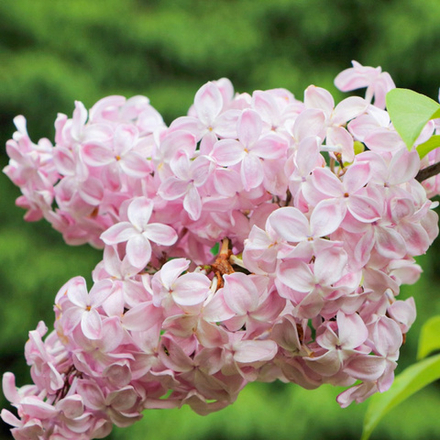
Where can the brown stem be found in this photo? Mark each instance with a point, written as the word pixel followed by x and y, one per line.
pixel 288 197
pixel 428 172
pixel 332 164
pixel 222 266
pixel 224 250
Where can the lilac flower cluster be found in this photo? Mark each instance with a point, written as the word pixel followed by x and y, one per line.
pixel 318 215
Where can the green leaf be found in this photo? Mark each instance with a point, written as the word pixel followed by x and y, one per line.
pixel 429 339
pixel 406 384
pixel 431 144
pixel 409 112
pixel 215 249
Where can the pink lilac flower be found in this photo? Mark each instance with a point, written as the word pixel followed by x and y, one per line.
pixel 138 232
pixel 303 287
pixel 378 83
pixel 252 146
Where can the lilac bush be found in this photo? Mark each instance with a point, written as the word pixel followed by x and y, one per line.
pixel 258 238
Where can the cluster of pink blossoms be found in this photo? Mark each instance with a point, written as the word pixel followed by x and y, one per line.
pixel 318 215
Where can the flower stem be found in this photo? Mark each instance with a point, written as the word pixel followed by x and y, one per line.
pixel 428 172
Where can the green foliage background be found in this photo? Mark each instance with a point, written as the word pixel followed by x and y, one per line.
pixel 55 52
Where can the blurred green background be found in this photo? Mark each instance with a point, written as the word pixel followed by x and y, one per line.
pixel 55 52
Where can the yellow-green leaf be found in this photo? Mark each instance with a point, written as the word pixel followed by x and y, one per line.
pixel 429 340
pixel 431 144
pixel 406 384
pixel 409 112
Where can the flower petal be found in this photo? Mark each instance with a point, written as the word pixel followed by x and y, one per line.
pixel 138 251
pixel 119 233
pixel 161 234
pixel 139 212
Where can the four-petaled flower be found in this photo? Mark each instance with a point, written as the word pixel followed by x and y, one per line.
pixel 138 232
